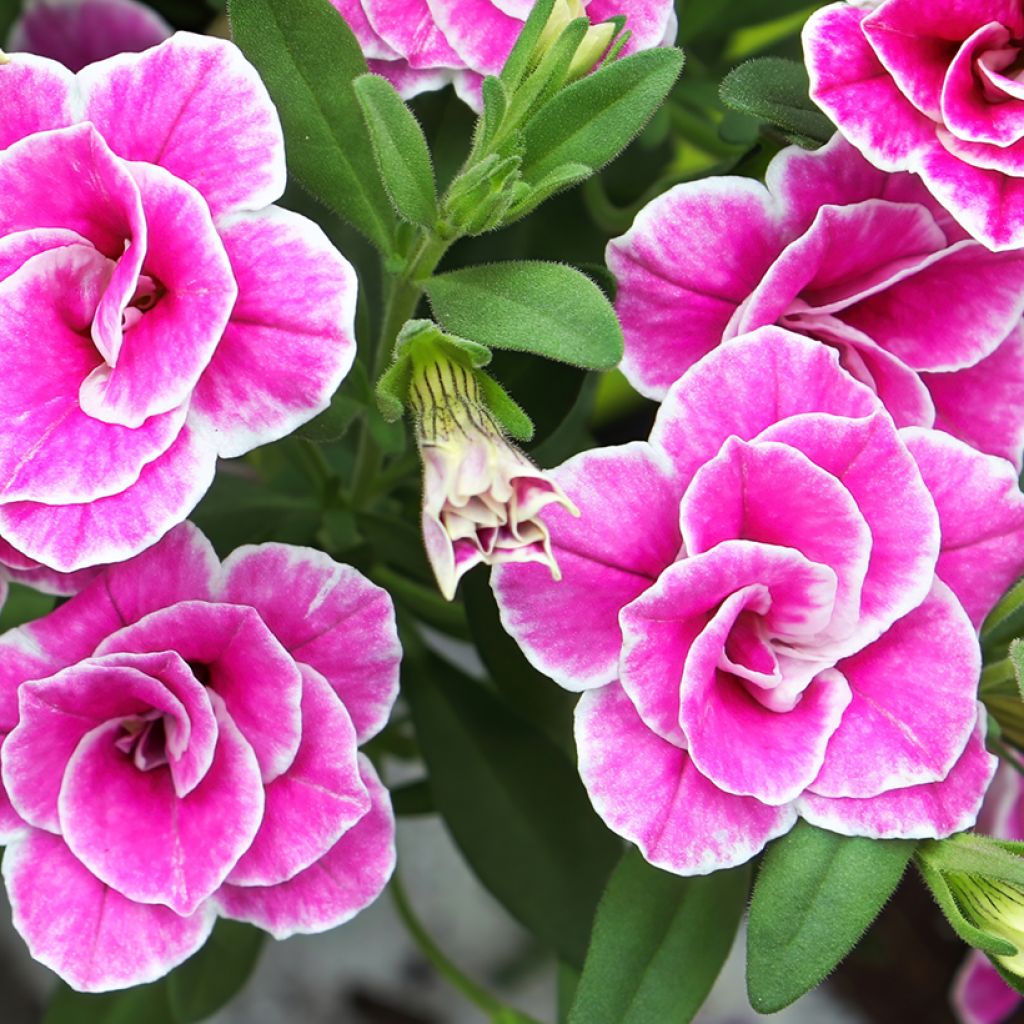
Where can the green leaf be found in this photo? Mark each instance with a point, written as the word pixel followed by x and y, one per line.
pixel 659 942
pixel 775 90
pixel 213 976
pixel 816 894
pixel 594 119
pixel 308 58
pixel 513 802
pixel 521 56
pixel 1003 623
pixel 558 180
pixel 149 1003
pixel 548 309
pixel 495 105
pixel 1016 658
pixel 401 150
pixel 505 409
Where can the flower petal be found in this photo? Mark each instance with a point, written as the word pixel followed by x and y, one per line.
pixel 36 95
pixel 980 995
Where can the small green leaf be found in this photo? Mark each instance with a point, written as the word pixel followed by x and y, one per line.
pixel 594 119
pixel 149 1003
pixel 505 409
pixel 393 389
pixel 308 58
pixel 558 180
pixel 659 942
pixel 816 894
pixel 401 150
pixel 521 56
pixel 775 90
pixel 495 105
pixel 213 976
pixel 1003 623
pixel 513 802
pixel 548 309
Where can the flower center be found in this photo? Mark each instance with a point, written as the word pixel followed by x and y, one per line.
pixel 147 295
pixel 144 739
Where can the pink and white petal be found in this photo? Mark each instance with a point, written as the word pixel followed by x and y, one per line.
pixel 850 84
pixel 349 877
pixel 651 22
pixel 291 338
pixel 478 31
pixel 914 703
pixel 54 452
pixel 408 27
pixel 871 461
pixel 12 825
pixel 626 534
pixel 410 82
pixel 36 95
pixel 135 834
pixel 89 934
pixel 983 405
pixel 111 529
pixel 649 792
pixel 18 247
pixel 932 810
pixel 988 203
pixel 240 660
pixel 80 32
pixel 319 798
pixel 691 258
pixel 953 312
pixel 354 14
pixel 327 616
pixel 661 625
pixel 981 516
pixel 774 494
pixel 46 581
pixel 768 375
pixel 195 106
pixel 953 22
pixel 980 995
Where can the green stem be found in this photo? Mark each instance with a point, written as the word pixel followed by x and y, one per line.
pixel 478 996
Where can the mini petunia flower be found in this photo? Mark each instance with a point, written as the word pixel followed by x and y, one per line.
pixel 772 607
pixel 179 741
pixel 482 497
pixel 935 89
pixel 158 314
pixel 830 247
pixel 80 32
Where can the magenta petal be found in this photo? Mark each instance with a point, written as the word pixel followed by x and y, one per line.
pixel 350 876
pixel 18 247
pixel 133 831
pixel 86 932
pixel 70 537
pixel 79 32
pixel 291 337
pixel 914 703
pixel 626 534
pixel 242 662
pixel 317 800
pixel 980 995
pixel 850 84
pixel 929 811
pixel 408 27
pixel 984 404
pixel 196 107
pixel 649 792
pixel 327 616
pixel 981 516
pixel 691 258
pixel 36 95
pixel 479 31
pixel 768 375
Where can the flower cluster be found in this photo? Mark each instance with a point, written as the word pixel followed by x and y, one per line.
pixel 179 741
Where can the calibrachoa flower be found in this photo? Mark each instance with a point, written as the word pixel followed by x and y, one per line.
pixel 79 32
pixel 482 498
pixel 772 604
pixel 181 742
pixel 932 88
pixel 157 313
pixel 414 39
pixel 861 260
pixel 980 996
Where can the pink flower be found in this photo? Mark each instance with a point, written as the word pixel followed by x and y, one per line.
pixel 772 605
pixel 863 261
pixel 79 32
pixel 158 313
pixel 980 996
pixel 932 88
pixel 422 44
pixel 180 742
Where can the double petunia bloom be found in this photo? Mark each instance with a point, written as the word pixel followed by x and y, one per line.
pixel 179 741
pixel 183 318
pixel 773 606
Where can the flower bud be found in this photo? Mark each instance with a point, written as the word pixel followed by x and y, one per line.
pixel 995 907
pixel 594 45
pixel 482 497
